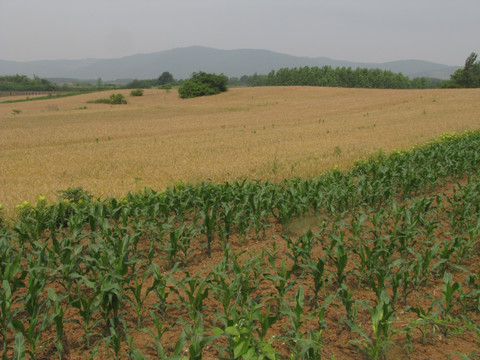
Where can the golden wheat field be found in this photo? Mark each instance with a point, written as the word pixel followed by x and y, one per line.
pixel 259 133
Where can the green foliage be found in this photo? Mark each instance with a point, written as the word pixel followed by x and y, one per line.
pixel 469 75
pixel 100 101
pixel 165 78
pixel 75 195
pixel 114 99
pixel 24 83
pixel 201 84
pixel 136 92
pixel 166 87
pixel 141 84
pixel 343 77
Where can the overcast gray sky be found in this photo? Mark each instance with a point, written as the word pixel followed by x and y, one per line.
pixel 444 31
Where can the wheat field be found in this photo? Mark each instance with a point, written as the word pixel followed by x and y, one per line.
pixel 261 133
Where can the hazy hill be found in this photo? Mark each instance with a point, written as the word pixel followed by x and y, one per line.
pixel 182 62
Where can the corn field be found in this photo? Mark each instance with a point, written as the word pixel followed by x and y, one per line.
pixel 384 258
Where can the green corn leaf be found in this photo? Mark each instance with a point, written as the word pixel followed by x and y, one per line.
pixel 19 347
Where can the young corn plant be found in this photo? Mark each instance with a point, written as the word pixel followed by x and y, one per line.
pixel 178 246
pixel 300 248
pixel 37 309
pixel 85 298
pixel 140 292
pixel 111 302
pixel 448 301
pixel 310 345
pixel 382 315
pixel 196 290
pixel 60 306
pixel 12 275
pixel 208 214
pixel 161 289
pixel 339 258
pixel 239 327
pixel 317 270
pixel 157 335
pixel 195 336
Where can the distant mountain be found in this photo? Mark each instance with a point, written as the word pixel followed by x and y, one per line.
pixel 182 62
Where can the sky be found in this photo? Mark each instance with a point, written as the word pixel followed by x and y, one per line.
pixel 443 31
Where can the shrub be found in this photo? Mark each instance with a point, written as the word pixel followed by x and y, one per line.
pixel 201 84
pixel 136 92
pixel 116 99
pixel 100 101
pixel 165 87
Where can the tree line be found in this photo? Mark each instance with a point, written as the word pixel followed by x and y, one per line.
pixel 344 77
pixel 24 83
pixel 466 77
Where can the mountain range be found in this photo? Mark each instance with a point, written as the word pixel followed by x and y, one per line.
pixel 182 62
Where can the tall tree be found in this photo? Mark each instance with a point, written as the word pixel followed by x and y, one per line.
pixel 469 75
pixel 165 78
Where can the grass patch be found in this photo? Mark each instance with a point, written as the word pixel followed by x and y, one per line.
pixel 46 97
pixel 115 99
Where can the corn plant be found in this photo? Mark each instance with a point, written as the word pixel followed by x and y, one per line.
pixel 224 289
pixel 12 275
pixel 338 256
pixel 240 334
pixel 161 289
pixel 197 338
pixel 178 246
pixel 426 318
pixel 196 290
pixel 382 317
pixel 208 213
pixel 227 217
pixel 317 271
pixel 449 288
pixel 310 345
pixel 157 335
pixel 59 309
pixel 300 248
pixel 346 297
pixel 140 292
pixel 85 298
pixel 36 307
pixel 111 299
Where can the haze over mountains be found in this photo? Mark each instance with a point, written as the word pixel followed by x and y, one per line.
pixel 182 62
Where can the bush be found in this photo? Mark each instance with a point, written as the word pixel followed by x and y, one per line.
pixel 201 84
pixel 100 101
pixel 136 92
pixel 116 99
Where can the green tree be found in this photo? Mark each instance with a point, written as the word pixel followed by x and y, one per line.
pixel 469 75
pixel 165 78
pixel 201 84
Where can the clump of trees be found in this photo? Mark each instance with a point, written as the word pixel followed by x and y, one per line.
pixel 343 77
pixel 466 77
pixel 24 83
pixel 164 79
pixel 201 84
